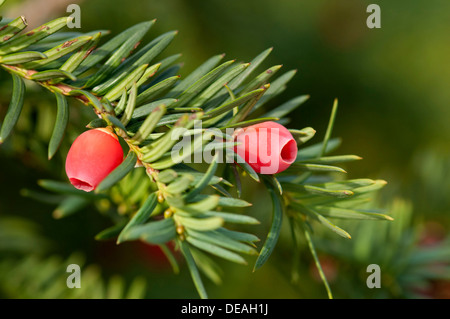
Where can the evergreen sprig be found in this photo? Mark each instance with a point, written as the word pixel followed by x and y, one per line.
pixel 143 100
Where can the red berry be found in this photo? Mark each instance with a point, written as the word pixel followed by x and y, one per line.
pixel 92 156
pixel 268 147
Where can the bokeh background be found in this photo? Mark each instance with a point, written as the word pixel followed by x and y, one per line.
pixel 394 110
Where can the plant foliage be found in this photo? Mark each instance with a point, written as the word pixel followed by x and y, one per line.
pixel 142 98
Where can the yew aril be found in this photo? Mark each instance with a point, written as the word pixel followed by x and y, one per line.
pixel 268 147
pixel 93 155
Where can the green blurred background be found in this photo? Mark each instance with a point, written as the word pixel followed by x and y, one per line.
pixel 394 96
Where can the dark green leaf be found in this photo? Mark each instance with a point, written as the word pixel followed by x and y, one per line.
pixel 131 105
pixel 218 84
pixel 149 72
pixel 14 109
pixel 223 95
pixel 234 218
pixel 219 239
pixel 274 232
pixel 287 107
pixel 51 75
pixel 42 197
pixel 332 159
pixel 114 121
pixel 148 52
pixel 184 247
pixel 148 125
pixel 374 187
pixel 247 108
pixel 316 260
pixel 347 184
pixel 195 75
pixel 62 118
pixel 276 87
pixel 12 28
pixel 166 176
pixel 160 237
pixel 156 232
pixel 93 100
pixel 240 236
pixel 115 92
pixel 180 184
pixel 65 188
pixel 253 65
pixel 249 122
pixel 33 36
pixel 166 62
pixel 96 123
pixel 274 183
pixel 232 104
pixel 22 57
pixel 69 206
pixel 297 167
pixel 156 90
pixel 216 250
pixel 120 107
pixel 110 232
pixel 165 74
pixel 345 213
pixel 58 52
pixel 323 151
pixel 171 258
pixel 119 54
pixel 260 80
pixel 322 220
pixel 198 175
pixel 157 149
pixel 77 58
pixel 111 46
pixel 225 201
pixel 200 84
pixel 205 179
pixel 340 193
pixel 144 110
pixel 207 266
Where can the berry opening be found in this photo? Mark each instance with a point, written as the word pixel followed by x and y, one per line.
pixel 289 152
pixel 79 184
